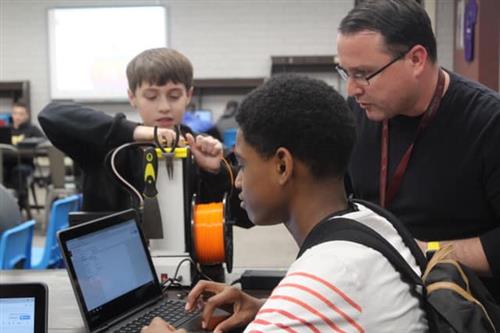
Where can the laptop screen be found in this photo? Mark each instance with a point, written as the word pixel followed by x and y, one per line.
pixel 110 267
pixel 23 307
pixel 17 315
pixel 103 258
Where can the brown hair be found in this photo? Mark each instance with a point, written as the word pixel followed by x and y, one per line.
pixel 20 104
pixel 157 67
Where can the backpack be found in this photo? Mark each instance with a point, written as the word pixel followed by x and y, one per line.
pixel 454 298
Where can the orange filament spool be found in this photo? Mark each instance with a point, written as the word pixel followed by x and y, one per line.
pixel 208 233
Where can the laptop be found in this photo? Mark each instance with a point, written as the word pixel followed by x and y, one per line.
pixel 79 217
pixel 114 279
pixel 6 135
pixel 23 307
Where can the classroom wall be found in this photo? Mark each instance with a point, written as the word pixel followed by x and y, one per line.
pixel 445 32
pixel 223 39
pixel 485 60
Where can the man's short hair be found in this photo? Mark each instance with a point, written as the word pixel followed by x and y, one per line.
pixel 20 104
pixel 402 23
pixel 159 66
pixel 304 115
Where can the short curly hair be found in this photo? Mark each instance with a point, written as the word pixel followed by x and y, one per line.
pixel 304 115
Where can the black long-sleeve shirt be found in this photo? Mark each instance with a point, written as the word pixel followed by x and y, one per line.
pixel 87 135
pixel 451 188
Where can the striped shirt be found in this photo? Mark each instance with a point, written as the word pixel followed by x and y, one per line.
pixel 341 286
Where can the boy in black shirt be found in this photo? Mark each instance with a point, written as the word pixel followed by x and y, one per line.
pixel 160 87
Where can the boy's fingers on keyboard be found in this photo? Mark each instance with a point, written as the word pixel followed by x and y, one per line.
pixel 215 320
pixel 226 298
pixel 229 324
pixel 207 294
pixel 196 294
pixel 158 325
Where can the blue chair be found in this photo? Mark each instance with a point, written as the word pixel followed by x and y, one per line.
pixel 15 246
pixel 80 201
pixel 50 256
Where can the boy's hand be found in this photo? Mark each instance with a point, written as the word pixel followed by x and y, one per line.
pixel 158 325
pixel 207 152
pixel 244 306
pixel 166 136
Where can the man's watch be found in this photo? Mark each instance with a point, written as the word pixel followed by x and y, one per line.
pixel 432 247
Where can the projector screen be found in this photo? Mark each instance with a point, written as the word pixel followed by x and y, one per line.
pixel 90 48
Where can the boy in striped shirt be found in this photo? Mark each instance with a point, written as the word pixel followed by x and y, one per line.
pixel 293 146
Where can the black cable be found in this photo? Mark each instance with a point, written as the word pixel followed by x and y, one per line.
pixel 198 270
pixel 236 281
pixel 175 281
pixel 157 141
pixel 177 136
pixel 174 143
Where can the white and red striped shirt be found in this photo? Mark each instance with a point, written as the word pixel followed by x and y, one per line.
pixel 342 286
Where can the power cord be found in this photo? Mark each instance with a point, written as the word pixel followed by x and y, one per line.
pixel 175 280
pixel 236 282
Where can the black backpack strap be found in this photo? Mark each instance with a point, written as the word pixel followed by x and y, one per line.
pixel 408 239
pixel 350 230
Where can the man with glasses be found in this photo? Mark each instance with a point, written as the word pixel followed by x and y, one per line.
pixel 428 139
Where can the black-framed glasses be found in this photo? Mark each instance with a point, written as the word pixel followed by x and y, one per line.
pixel 363 79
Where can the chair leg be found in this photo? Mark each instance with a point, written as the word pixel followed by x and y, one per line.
pixel 24 204
pixel 33 194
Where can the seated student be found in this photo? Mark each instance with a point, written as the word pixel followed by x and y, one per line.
pixel 295 139
pixel 160 87
pixel 17 172
pixel 21 124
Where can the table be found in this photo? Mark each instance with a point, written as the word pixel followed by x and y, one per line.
pixel 64 315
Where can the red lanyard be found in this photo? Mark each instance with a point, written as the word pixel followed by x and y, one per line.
pixel 387 193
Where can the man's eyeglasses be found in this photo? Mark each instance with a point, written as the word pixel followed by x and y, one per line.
pixel 361 78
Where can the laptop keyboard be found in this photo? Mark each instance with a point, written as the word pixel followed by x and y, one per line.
pixel 170 310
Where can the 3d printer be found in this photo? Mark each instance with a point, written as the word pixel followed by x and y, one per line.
pixel 180 224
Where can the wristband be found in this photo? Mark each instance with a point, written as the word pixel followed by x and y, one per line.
pixel 432 247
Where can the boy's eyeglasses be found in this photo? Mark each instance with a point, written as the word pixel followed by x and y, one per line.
pixel 362 79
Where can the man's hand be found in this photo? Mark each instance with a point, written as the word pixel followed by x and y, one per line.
pixel 244 306
pixel 467 251
pixel 166 136
pixel 422 245
pixel 159 325
pixel 207 152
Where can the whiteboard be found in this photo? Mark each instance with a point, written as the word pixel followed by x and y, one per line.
pixel 89 48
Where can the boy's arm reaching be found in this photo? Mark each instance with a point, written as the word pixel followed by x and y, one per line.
pixel 82 132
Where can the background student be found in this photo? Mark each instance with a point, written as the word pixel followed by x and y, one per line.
pixel 22 128
pixel 16 172
pixel 289 128
pixel 427 138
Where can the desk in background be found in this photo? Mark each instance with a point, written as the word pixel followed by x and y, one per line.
pixel 50 167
